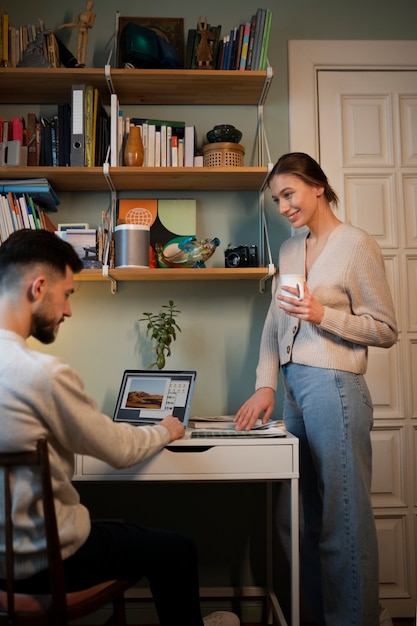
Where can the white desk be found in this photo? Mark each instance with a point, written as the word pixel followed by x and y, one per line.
pixel 204 460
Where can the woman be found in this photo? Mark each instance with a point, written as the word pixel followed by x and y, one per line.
pixel 321 345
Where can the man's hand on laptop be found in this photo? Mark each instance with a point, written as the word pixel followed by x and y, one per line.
pixel 174 427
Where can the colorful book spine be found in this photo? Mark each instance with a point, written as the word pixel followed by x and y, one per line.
pixel 245 46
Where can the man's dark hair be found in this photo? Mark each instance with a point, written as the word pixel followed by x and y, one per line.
pixel 28 247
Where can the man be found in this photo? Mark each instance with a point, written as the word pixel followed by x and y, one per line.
pixel 40 396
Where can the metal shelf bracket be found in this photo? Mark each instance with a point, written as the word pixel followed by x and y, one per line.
pixel 113 281
pixel 271 272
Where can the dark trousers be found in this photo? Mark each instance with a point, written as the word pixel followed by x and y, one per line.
pixel 120 550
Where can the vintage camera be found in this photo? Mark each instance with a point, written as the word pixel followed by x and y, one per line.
pixel 241 256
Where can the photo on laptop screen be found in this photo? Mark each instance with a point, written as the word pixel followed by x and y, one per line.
pixel 146 397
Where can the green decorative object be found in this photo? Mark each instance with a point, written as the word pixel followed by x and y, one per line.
pixel 162 328
pixel 224 132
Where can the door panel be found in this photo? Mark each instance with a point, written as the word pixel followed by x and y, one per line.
pixel 367 143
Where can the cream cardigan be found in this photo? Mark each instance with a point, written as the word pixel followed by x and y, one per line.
pixel 348 279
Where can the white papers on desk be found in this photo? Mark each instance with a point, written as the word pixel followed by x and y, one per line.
pixel 226 422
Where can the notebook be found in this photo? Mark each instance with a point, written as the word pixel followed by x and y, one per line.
pixel 274 431
pixel 147 396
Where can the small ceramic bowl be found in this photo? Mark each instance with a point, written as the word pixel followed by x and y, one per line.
pixel 224 132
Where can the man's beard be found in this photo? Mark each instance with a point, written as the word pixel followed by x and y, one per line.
pixel 44 327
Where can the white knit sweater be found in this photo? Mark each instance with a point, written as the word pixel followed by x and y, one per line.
pixel 42 397
pixel 348 279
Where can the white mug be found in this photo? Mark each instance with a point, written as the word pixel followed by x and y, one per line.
pixel 292 280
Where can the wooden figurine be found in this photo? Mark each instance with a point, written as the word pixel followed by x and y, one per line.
pixel 204 51
pixel 84 21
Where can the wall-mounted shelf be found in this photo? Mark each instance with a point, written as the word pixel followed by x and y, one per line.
pixel 186 273
pixel 46 86
pixel 144 178
pixel 116 275
pixel 152 87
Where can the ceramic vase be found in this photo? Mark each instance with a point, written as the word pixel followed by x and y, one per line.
pixel 134 148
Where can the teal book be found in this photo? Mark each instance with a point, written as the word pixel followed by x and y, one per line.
pixel 259 32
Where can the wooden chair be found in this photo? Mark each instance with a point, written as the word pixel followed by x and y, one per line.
pixel 58 607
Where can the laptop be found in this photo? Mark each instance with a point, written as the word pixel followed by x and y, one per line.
pixel 147 396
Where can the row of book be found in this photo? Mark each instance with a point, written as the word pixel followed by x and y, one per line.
pixel 50 140
pixel 244 47
pixel 166 143
pixel 35 40
pixel 90 128
pixel 20 210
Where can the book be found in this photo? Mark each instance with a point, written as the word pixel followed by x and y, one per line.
pixel 17 129
pixel 189 146
pixel 245 45
pixel 33 144
pixel 180 152
pixel 4 38
pixel 189 48
pixel 218 422
pixel 102 133
pixel 88 125
pixel 64 134
pixel 251 42
pixel 216 30
pixel 225 52
pixel 39 188
pixel 114 130
pixel 46 143
pixel 237 51
pixel 174 151
pixel 259 33
pixel 150 154
pixel 265 41
pixel 163 146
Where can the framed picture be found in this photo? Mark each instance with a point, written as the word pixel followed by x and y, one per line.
pixel 169 28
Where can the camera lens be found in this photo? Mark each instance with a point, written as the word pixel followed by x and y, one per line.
pixel 233 259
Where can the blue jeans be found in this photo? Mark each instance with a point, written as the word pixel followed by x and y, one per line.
pixel 330 411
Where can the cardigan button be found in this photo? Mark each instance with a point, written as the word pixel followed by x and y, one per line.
pixel 294 330
pixel 288 349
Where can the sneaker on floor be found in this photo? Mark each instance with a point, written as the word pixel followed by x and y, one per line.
pixel 221 618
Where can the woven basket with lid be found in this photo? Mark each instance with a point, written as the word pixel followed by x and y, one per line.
pixel 223 154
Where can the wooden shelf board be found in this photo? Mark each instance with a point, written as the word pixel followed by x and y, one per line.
pixel 188 86
pixel 23 85
pixel 144 178
pixel 174 274
pixel 193 87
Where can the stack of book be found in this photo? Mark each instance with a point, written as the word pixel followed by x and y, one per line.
pixel 244 47
pixel 23 204
pixel 166 143
pixel 50 140
pixel 15 41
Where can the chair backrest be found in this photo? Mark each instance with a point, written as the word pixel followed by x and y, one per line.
pixel 37 458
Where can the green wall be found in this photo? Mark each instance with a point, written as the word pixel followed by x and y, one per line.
pixel 221 322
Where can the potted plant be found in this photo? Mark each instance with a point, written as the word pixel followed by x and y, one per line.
pixel 162 328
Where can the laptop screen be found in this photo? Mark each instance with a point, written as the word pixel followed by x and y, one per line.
pixel 146 397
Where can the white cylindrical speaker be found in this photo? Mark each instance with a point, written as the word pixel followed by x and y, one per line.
pixel 131 245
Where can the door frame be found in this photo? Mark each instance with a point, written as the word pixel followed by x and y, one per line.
pixel 307 57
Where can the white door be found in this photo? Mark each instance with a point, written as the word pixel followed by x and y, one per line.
pixel 366 142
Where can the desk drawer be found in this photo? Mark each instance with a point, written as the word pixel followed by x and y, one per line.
pixel 248 462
